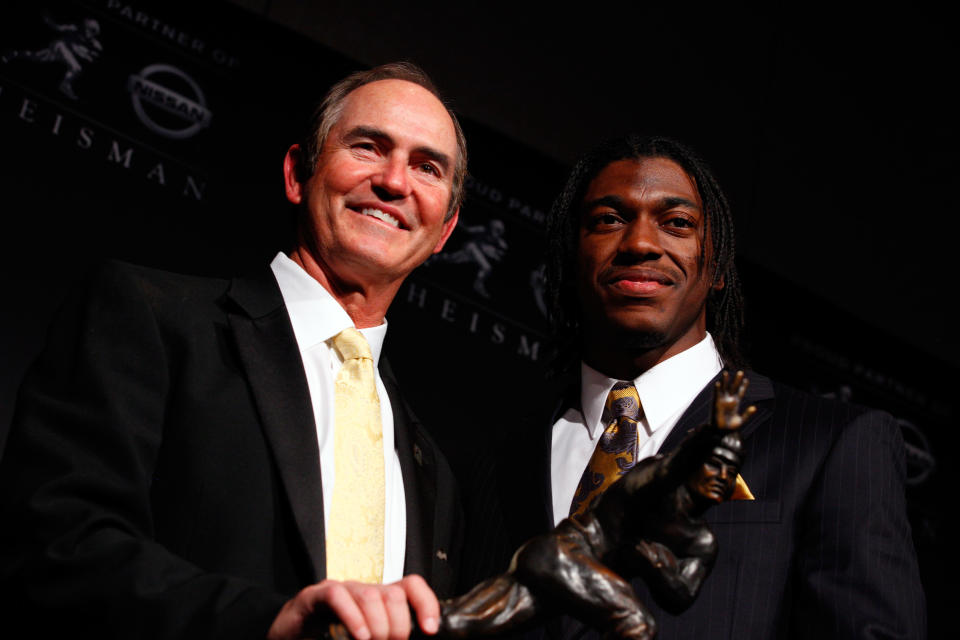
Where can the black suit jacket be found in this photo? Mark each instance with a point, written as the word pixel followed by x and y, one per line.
pixel 824 551
pixel 162 475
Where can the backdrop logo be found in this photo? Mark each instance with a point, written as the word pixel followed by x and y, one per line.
pixel 484 247
pixel 168 101
pixel 74 46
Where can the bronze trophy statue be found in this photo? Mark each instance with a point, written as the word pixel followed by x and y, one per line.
pixel 647 524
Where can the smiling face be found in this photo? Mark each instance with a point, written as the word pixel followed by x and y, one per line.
pixel 639 273
pixel 376 203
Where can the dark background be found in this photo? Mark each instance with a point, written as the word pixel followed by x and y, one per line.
pixel 833 130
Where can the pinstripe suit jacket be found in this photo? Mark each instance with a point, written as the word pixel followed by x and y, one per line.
pixel 824 551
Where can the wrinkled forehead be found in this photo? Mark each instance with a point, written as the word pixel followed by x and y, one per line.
pixel 403 110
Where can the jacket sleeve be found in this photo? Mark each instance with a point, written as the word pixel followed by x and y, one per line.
pixel 857 569
pixel 78 554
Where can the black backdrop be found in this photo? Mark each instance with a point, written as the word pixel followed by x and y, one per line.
pixel 165 147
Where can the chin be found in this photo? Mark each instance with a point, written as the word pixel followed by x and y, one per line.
pixel 635 329
pixel 379 259
pixel 642 340
pixel 640 337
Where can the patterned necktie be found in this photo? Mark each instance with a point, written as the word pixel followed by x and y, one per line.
pixel 616 452
pixel 354 532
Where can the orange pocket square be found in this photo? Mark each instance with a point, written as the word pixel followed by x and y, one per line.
pixel 741 491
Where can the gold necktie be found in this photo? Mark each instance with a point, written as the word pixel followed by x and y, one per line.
pixel 616 452
pixel 354 532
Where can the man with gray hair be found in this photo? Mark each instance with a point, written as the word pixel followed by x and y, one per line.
pixel 231 458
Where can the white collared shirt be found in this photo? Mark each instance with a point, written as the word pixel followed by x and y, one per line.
pixel 317 317
pixel 665 390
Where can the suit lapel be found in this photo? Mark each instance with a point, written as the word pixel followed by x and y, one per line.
pixel 759 393
pixel 418 468
pixel 270 357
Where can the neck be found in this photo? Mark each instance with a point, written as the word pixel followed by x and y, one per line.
pixel 628 359
pixel 619 364
pixel 365 304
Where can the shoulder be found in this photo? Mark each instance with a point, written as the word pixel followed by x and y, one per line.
pixel 155 285
pixel 810 429
pixel 118 307
pixel 782 404
pixel 171 299
pixel 821 413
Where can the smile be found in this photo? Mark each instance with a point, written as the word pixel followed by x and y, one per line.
pixel 639 282
pixel 638 287
pixel 380 215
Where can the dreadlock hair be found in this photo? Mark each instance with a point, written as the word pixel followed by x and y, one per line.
pixel 724 306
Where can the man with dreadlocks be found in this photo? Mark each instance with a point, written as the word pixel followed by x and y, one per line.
pixel 645 293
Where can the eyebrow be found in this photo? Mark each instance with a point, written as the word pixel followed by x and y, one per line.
pixel 362 131
pixel 614 202
pixel 676 201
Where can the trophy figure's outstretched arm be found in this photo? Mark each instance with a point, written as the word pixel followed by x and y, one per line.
pixel 727 397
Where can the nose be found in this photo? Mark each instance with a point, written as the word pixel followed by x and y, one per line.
pixel 641 240
pixel 391 181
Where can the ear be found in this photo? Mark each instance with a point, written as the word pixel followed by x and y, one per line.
pixel 718 284
pixel 290 162
pixel 447 230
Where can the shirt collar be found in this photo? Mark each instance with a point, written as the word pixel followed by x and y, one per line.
pixel 664 390
pixel 315 314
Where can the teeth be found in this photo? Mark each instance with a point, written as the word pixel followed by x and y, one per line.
pixel 380 215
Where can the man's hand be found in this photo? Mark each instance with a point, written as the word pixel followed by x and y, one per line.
pixel 726 402
pixel 368 611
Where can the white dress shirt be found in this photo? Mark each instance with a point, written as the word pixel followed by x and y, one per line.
pixel 317 317
pixel 665 390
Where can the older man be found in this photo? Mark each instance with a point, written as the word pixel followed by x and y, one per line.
pixel 207 458
pixel 645 286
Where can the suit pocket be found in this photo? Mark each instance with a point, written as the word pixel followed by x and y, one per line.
pixel 737 511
